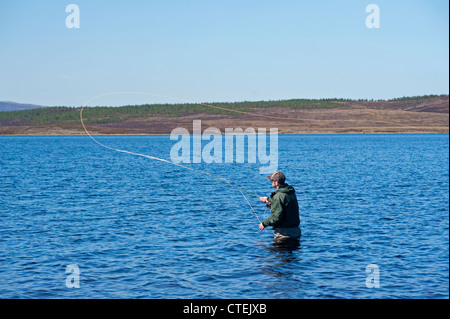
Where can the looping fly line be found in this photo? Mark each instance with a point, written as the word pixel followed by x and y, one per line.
pixel 161 159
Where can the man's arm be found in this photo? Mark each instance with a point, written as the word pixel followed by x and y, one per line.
pixel 276 215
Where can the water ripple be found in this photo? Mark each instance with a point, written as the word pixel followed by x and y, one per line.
pixel 143 229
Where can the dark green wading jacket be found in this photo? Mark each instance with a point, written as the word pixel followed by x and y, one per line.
pixel 284 208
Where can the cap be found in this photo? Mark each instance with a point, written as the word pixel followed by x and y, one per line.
pixel 278 177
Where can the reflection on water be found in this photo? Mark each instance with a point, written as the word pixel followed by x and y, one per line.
pixel 282 263
pixel 285 249
pixel 287 245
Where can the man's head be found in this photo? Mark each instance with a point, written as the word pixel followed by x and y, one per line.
pixel 277 179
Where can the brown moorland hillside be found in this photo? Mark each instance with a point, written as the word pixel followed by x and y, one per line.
pixel 406 115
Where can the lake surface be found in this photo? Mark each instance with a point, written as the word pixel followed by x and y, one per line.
pixel 139 228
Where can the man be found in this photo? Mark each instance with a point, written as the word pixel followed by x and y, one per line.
pixel 284 218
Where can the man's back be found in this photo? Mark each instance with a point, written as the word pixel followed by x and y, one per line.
pixel 284 207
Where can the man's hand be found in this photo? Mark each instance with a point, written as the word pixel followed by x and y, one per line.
pixel 264 199
pixel 261 227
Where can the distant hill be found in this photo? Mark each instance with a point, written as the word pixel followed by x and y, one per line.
pixel 7 106
pixel 416 114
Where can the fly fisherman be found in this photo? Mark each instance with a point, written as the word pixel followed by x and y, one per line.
pixel 284 218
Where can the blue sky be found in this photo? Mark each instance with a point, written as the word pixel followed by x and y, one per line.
pixel 211 51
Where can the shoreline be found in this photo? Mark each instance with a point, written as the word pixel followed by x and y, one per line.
pixel 223 134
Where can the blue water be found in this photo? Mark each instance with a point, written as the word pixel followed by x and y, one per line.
pixel 138 228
